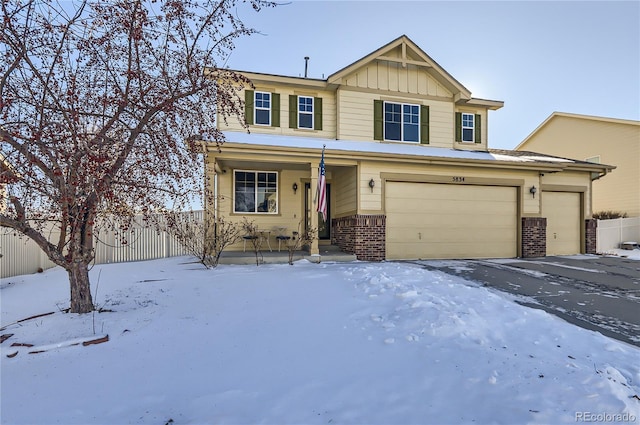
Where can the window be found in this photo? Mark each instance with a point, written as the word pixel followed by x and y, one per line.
pixel 263 108
pixel 255 192
pixel 305 112
pixel 401 122
pixel 467 127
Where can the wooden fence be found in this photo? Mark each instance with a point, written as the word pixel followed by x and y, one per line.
pixel 20 255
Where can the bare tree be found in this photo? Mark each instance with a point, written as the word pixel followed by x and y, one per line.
pixel 101 107
pixel 299 240
pixel 205 239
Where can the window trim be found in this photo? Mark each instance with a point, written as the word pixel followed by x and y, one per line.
pixel 256 172
pixel 312 113
pixel 256 108
pixel 402 122
pixel 463 128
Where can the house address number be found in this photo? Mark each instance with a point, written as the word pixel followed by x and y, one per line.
pixel 457 179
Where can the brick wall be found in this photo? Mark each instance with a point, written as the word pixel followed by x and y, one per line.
pixel 362 235
pixel 534 237
pixel 591 233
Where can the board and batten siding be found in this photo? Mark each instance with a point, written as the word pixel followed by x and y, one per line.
pixel 392 76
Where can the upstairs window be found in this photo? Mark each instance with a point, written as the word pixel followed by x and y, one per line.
pixel 401 122
pixel 262 108
pixel 467 127
pixel 255 192
pixel 305 112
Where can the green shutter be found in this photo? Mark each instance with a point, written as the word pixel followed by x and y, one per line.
pixel 477 129
pixel 248 106
pixel 317 113
pixel 293 111
pixel 458 127
pixel 378 120
pixel 275 109
pixel 424 124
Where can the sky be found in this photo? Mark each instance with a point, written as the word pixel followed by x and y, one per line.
pixel 537 57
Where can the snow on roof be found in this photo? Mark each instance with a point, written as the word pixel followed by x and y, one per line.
pixel 391 148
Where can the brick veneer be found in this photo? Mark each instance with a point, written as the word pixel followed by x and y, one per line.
pixel 534 237
pixel 362 235
pixel 590 235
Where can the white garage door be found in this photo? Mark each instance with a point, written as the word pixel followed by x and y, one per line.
pixel 427 220
pixel 562 210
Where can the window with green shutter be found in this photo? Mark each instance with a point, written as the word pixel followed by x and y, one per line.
pixel 402 122
pixel 468 128
pixel 262 108
pixel 305 112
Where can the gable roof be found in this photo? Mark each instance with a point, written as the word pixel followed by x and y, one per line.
pixel 556 114
pixel 410 54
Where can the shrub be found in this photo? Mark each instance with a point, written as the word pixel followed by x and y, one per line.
pixel 608 215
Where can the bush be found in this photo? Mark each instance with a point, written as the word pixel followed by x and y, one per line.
pixel 608 215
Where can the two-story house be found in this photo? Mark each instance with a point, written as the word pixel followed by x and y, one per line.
pixel 596 139
pixel 408 167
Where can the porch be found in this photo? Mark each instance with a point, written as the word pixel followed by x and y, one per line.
pixel 326 253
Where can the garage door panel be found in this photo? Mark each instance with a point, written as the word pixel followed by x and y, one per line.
pixel 427 220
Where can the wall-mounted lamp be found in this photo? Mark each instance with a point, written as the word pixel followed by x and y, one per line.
pixel 295 188
pixel 532 191
pixel 372 184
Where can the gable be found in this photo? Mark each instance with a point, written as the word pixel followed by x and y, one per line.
pixel 401 66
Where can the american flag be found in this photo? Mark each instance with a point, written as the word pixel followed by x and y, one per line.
pixel 322 189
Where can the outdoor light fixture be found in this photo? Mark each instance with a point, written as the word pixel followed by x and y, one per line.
pixel 372 184
pixel 295 188
pixel 532 191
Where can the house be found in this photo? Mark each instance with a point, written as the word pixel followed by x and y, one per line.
pixel 600 140
pixel 408 167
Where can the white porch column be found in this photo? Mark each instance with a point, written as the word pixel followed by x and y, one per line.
pixel 313 220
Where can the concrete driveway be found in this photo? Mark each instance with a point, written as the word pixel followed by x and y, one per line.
pixel 594 292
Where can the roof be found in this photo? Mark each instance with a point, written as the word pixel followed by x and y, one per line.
pixel 387 150
pixel 575 116
pixel 411 54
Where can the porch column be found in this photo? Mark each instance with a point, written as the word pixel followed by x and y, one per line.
pixel 313 220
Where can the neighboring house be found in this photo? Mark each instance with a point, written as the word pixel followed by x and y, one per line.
pixel 7 176
pixel 600 140
pixel 409 170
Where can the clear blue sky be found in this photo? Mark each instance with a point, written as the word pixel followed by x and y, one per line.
pixel 538 57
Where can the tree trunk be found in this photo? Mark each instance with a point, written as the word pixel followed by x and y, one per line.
pixel 81 301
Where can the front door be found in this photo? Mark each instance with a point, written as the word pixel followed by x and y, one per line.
pixel 324 229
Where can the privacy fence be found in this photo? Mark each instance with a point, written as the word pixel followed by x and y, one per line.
pixel 611 233
pixel 21 255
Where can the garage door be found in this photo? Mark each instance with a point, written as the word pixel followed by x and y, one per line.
pixel 427 220
pixel 562 210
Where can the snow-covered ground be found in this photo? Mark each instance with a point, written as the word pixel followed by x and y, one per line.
pixel 350 343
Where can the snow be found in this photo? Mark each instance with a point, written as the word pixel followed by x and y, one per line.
pixel 393 148
pixel 338 343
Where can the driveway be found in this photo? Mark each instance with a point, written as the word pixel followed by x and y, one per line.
pixel 594 292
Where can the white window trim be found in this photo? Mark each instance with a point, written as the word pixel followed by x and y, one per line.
pixel 312 113
pixel 255 200
pixel 255 107
pixel 384 121
pixel 462 128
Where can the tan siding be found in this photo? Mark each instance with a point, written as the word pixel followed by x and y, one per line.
pixel 344 191
pixel 356 118
pixel 616 143
pixel 392 76
pixel 329 114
